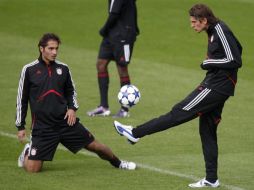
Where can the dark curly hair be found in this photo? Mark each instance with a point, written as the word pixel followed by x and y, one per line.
pixel 200 11
pixel 47 37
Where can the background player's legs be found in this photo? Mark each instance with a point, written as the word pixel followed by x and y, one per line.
pixel 124 78
pixel 103 81
pixel 208 132
pixel 122 55
pixel 104 57
pixel 123 75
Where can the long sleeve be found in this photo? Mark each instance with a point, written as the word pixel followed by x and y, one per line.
pixel 22 99
pixel 112 19
pixel 223 41
pixel 70 93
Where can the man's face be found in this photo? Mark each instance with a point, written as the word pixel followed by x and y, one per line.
pixel 198 25
pixel 49 52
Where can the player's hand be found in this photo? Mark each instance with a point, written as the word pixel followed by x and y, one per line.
pixel 71 117
pixel 21 136
pixel 103 32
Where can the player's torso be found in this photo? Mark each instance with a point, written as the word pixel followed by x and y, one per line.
pixel 47 90
pixel 126 25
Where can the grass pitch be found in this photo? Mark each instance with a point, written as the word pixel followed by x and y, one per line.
pixel 165 67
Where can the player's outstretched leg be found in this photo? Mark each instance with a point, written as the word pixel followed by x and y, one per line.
pixel 105 153
pixel 125 130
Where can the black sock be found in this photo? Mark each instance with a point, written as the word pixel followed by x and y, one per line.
pixel 103 80
pixel 125 109
pixel 125 81
pixel 115 162
pixel 211 180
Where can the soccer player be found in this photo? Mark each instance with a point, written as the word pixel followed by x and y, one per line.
pixel 119 34
pixel 47 85
pixel 207 100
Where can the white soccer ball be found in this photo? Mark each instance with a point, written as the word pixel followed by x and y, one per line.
pixel 129 95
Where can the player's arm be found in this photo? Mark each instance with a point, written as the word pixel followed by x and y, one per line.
pixel 232 50
pixel 114 13
pixel 70 92
pixel 22 104
pixel 71 96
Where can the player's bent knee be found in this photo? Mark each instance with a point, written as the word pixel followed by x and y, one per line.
pixel 102 65
pixel 33 166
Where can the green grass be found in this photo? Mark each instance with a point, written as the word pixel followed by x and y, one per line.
pixel 165 67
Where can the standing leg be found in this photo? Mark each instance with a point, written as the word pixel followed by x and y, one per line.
pixel 103 81
pixel 123 75
pixel 208 124
pixel 104 57
pixel 122 55
pixel 124 80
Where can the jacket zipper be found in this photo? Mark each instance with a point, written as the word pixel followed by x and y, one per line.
pixel 49 70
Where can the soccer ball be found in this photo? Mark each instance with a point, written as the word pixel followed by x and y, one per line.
pixel 129 96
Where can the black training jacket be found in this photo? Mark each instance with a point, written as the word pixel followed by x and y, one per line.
pixel 49 90
pixel 121 24
pixel 223 59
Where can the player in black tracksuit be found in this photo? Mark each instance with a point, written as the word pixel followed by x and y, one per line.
pixel 207 100
pixel 49 90
pixel 47 85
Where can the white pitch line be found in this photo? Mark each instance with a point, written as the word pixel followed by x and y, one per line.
pixel 144 166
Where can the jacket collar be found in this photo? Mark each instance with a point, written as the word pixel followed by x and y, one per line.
pixel 211 28
pixel 43 62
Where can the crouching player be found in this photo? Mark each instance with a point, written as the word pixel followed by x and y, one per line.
pixel 47 85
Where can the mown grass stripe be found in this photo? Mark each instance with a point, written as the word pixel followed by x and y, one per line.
pixel 143 166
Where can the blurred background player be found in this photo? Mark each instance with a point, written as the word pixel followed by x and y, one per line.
pixel 47 85
pixel 207 100
pixel 119 34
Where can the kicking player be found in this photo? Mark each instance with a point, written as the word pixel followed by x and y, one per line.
pixel 207 100
pixel 47 85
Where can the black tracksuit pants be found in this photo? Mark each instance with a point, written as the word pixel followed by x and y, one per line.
pixel 203 103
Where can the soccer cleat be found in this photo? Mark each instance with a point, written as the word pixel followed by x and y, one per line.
pixel 21 158
pixel 125 165
pixel 204 183
pixel 125 130
pixel 121 114
pixel 99 111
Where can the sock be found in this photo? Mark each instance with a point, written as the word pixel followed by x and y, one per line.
pixel 211 180
pixel 115 162
pixel 124 108
pixel 133 133
pixel 103 80
pixel 124 81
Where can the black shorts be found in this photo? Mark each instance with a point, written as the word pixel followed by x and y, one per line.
pixel 118 51
pixel 44 140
